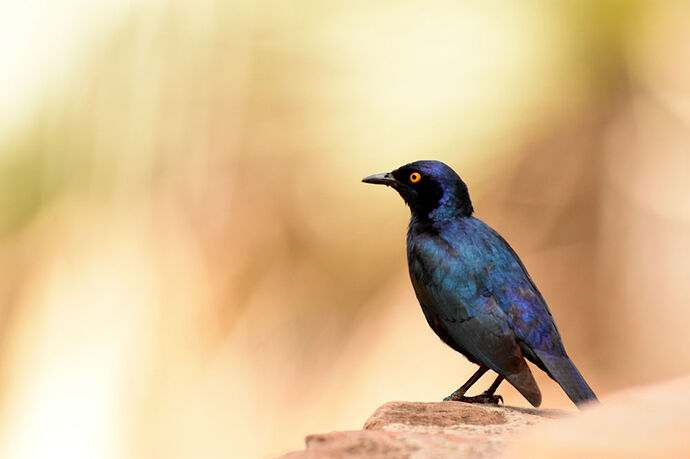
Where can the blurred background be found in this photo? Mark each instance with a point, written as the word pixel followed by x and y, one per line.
pixel 190 266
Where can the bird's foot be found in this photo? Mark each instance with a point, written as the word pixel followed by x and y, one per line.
pixel 456 396
pixel 489 399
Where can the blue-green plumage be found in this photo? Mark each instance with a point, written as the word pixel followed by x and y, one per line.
pixel 475 292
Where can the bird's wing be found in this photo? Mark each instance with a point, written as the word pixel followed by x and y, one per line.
pixel 452 291
pixel 517 295
pixel 529 316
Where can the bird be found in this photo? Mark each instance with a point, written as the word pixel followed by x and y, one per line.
pixel 474 290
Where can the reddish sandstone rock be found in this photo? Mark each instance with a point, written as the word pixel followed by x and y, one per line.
pixel 384 445
pixel 426 430
pixel 649 422
pixel 440 414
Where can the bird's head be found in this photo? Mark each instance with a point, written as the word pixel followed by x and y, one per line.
pixel 430 188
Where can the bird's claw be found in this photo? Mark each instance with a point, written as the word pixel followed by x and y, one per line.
pixel 488 399
pixel 456 396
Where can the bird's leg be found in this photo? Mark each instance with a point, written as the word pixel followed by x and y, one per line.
pixel 492 389
pixel 488 395
pixel 459 395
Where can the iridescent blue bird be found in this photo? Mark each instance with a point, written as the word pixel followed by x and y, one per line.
pixel 475 292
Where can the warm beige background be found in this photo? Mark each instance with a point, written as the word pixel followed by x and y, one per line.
pixel 190 267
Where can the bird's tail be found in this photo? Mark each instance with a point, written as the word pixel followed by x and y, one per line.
pixel 524 382
pixel 564 372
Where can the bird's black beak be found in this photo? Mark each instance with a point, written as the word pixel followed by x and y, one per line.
pixel 385 178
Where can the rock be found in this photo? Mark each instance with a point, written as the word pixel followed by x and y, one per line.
pixel 432 414
pixel 649 422
pixel 377 444
pixel 427 430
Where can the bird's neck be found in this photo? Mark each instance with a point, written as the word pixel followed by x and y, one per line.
pixel 420 226
pixel 447 210
pixel 434 222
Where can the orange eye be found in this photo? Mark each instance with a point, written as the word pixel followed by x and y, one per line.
pixel 415 177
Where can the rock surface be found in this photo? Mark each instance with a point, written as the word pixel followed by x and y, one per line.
pixel 427 430
pixel 650 422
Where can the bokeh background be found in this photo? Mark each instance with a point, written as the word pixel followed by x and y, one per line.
pixel 189 266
